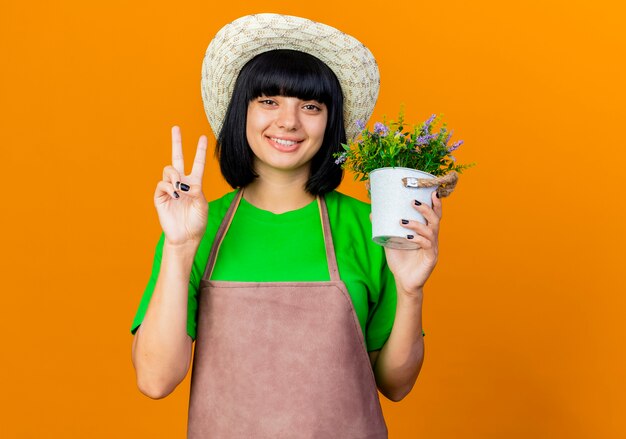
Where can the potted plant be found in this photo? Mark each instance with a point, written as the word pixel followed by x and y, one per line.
pixel 401 166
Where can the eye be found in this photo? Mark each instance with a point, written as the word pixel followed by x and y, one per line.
pixel 312 107
pixel 266 101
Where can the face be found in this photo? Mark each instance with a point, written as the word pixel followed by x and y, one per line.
pixel 285 132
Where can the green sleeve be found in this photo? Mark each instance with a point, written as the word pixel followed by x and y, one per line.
pixel 382 312
pixel 384 299
pixel 382 315
pixel 192 302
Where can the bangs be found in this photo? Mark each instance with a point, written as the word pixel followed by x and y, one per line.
pixel 290 73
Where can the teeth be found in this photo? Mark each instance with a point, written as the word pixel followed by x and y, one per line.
pixel 284 142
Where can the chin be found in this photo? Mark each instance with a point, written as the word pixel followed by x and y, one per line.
pixel 284 164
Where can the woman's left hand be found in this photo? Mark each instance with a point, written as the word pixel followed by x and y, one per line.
pixel 412 268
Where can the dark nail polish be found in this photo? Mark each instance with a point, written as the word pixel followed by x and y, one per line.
pixel 176 194
pixel 417 203
pixel 409 237
pixel 438 195
pixel 405 221
pixel 178 185
pixel 184 187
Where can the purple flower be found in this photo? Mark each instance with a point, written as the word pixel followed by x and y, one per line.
pixel 455 145
pixel 448 138
pixel 429 121
pixel 381 129
pixel 341 159
pixel 360 124
pixel 423 140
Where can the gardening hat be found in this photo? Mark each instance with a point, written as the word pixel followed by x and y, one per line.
pixel 240 41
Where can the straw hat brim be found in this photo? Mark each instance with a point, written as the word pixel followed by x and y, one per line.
pixel 240 41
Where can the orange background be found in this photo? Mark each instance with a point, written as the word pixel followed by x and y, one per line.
pixel 524 313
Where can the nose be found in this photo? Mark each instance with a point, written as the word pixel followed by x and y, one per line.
pixel 287 117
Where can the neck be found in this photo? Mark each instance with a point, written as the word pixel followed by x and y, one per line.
pixel 278 192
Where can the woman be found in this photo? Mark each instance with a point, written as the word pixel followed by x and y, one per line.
pixel 296 315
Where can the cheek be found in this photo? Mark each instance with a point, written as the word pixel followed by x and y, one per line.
pixel 320 128
pixel 250 118
pixel 254 124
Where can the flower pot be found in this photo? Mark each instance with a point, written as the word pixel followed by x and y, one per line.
pixel 392 201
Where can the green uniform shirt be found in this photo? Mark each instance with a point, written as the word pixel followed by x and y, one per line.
pixel 261 246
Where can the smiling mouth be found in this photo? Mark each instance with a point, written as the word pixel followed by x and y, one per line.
pixel 284 144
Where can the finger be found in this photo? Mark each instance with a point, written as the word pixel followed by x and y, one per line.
pixel 164 192
pixel 198 162
pixel 423 242
pixel 177 150
pixel 428 213
pixel 172 176
pixel 437 205
pixel 420 229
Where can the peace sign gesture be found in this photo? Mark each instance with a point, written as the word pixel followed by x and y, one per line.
pixel 179 201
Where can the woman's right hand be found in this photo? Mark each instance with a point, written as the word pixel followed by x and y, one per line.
pixel 179 201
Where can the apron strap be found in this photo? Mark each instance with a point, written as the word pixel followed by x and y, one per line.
pixel 219 236
pixel 333 269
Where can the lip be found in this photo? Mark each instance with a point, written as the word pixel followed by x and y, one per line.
pixel 284 148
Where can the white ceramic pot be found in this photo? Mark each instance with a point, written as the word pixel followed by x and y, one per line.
pixel 392 201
